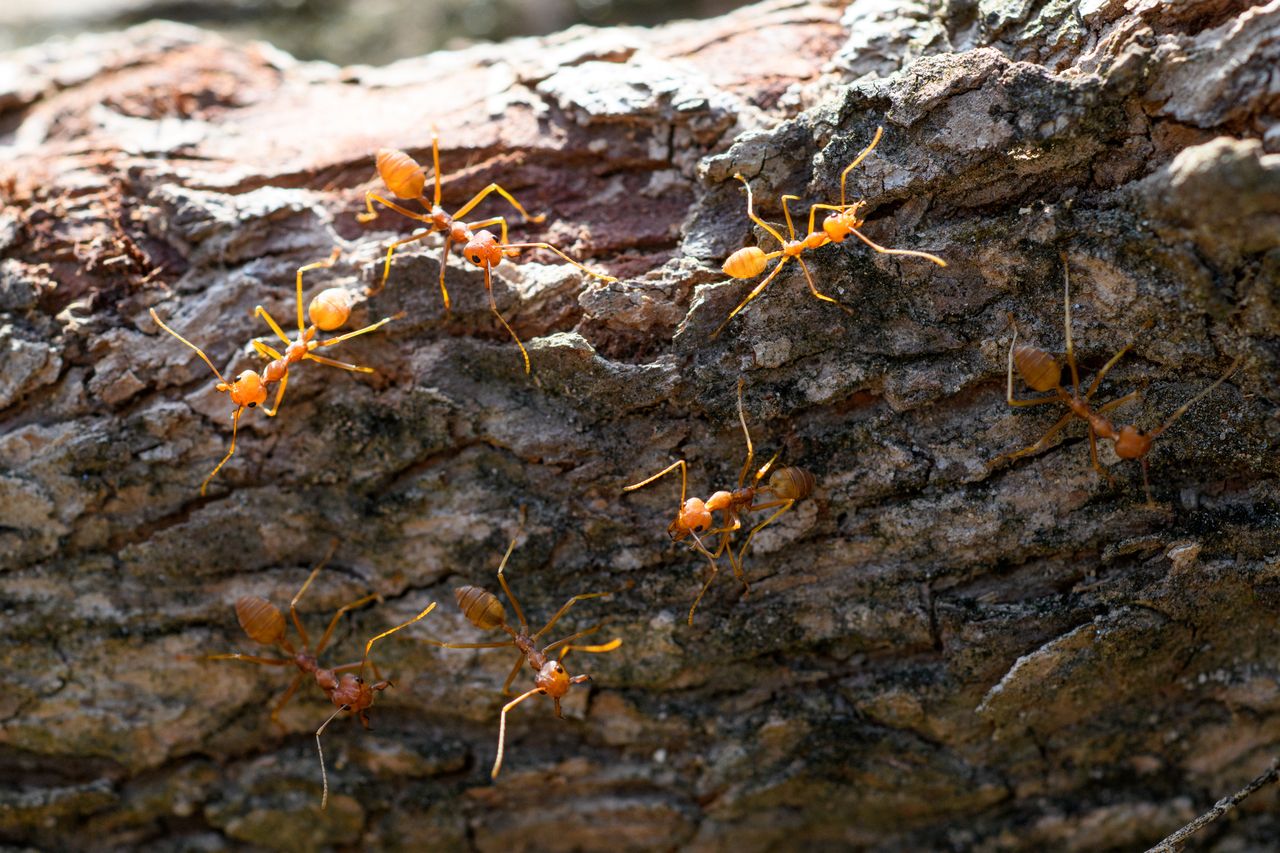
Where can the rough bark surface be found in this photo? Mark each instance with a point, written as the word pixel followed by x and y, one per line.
pixel 936 653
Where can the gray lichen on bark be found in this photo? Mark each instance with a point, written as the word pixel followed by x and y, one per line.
pixel 936 652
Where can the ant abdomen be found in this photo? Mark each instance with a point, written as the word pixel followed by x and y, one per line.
pixel 260 619
pixel 746 263
pixel 481 607
pixel 330 308
pixel 1037 368
pixel 792 484
pixel 401 173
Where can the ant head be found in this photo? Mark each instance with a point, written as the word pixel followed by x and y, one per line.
pixel 483 250
pixel 1132 444
pixel 330 308
pixel 401 173
pixel 694 517
pixel 1037 368
pixel 552 679
pixel 248 390
pixel 840 224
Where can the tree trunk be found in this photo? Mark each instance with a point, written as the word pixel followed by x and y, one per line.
pixel 940 649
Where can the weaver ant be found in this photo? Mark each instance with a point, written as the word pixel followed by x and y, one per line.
pixel 694 516
pixel 328 310
pixel 483 609
pixel 836 228
pixel 1042 372
pixel 263 623
pixel 406 179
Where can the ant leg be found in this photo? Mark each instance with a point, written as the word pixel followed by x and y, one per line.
pixel 247 658
pixel 752 295
pixel 1093 457
pixel 444 265
pixel 856 160
pixel 500 221
pixel 515 670
pixel 328 342
pixel 266 351
pixel 600 649
pixel 288 694
pixel 371 196
pixel 910 253
pixel 494 188
pixel 1182 410
pixel 324 798
pixel 333 258
pixel 1146 483
pixel 783 506
pixel 583 597
pixel 439 644
pixel 293 604
pixel 1106 368
pixel 199 352
pixel 751 214
pixel 369 645
pixel 235 426
pixel 502 727
pixel 786 213
pixel 284 383
pixel 275 327
pixel 355 368
pixel 814 290
pixel 1066 321
pixel 679 463
pixel 333 623
pixel 386 266
pixel 1042 443
pixel 715 569
pixel 742 419
pixel 502 579
pixel 435 160
pixel 570 260
pixel 572 637
pixel 1131 396
pixel 493 304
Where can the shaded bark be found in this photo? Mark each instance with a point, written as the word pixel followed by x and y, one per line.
pixel 937 652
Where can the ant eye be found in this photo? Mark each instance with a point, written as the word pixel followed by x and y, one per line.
pixel 253 405
pixel 359 680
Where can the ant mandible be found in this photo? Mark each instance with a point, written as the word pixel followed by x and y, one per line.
pixel 694 516
pixel 1042 372
pixel 406 179
pixel 843 221
pixel 483 609
pixel 263 623
pixel 328 310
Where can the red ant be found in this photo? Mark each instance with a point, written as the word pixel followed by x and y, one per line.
pixel 694 516
pixel 264 623
pixel 843 221
pixel 1042 372
pixel 483 609
pixel 405 178
pixel 328 310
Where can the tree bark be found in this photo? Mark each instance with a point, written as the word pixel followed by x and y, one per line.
pixel 939 650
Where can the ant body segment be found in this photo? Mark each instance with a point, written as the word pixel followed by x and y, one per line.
pixel 406 179
pixel 483 609
pixel 262 622
pixel 836 228
pixel 327 311
pixel 1042 372
pixel 695 517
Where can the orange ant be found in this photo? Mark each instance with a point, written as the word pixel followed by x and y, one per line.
pixel 483 609
pixel 843 221
pixel 264 623
pixel 405 178
pixel 328 310
pixel 694 516
pixel 1042 372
